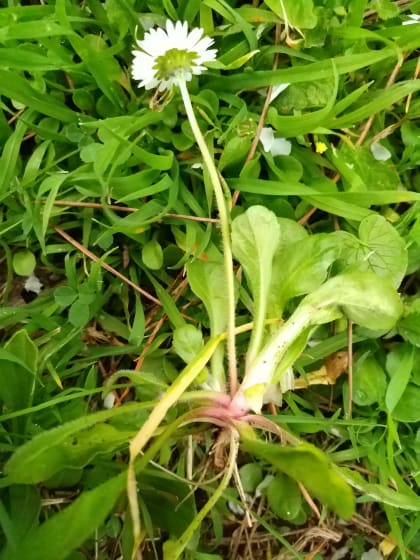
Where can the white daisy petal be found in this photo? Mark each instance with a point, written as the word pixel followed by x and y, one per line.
pixel 276 91
pixel 379 152
pixel 171 28
pixel 414 18
pixel 276 146
pixel 267 138
pixel 166 54
pixel 281 147
pixel 195 36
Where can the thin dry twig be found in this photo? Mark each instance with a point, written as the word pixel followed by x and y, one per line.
pixel 358 520
pixel 410 95
pixel 350 367
pixel 263 115
pixel 372 118
pixel 128 209
pixel 104 265
pixel 309 500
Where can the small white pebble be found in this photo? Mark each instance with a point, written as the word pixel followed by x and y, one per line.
pixel 236 509
pixel 379 152
pixel 372 554
pixel 33 284
pixel 109 401
pixel 340 553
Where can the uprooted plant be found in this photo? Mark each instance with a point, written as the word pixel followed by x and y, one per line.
pixel 258 240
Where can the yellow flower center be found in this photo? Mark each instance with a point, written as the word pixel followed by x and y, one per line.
pixel 173 62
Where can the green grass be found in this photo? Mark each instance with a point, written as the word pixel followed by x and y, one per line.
pixel 100 200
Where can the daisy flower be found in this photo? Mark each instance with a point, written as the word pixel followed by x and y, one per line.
pixel 166 56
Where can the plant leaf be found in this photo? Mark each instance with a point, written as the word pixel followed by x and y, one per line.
pixel 407 409
pixel 380 249
pixel 74 524
pixel 399 364
pixel 300 268
pixel 364 297
pixel 44 455
pixel 18 376
pixel 369 381
pixel 207 280
pixel 255 237
pixel 298 13
pixel 381 493
pixel 307 464
pixel 284 497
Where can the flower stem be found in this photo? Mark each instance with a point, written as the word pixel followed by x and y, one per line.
pixel 225 227
pixel 158 413
pixel 173 549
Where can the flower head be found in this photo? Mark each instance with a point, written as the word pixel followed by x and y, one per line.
pixel 169 55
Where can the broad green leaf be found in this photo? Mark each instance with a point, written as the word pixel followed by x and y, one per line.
pixel 24 263
pixel 363 297
pixel 381 493
pixel 152 255
pixel 380 249
pixel 25 506
pixel 360 171
pixel 18 88
pixel 38 459
pixel 74 524
pixel 298 13
pixel 18 377
pixel 75 452
pixel 31 30
pixel 207 281
pixel 380 102
pixel 251 475
pixel 284 497
pixel 187 342
pixel 409 325
pixel 307 464
pixel 169 501
pixel 65 295
pixel 79 313
pixel 235 152
pixel 255 237
pixel 399 364
pixel 292 126
pixel 407 409
pixel 329 202
pixel 386 8
pixel 300 268
pixel 369 381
